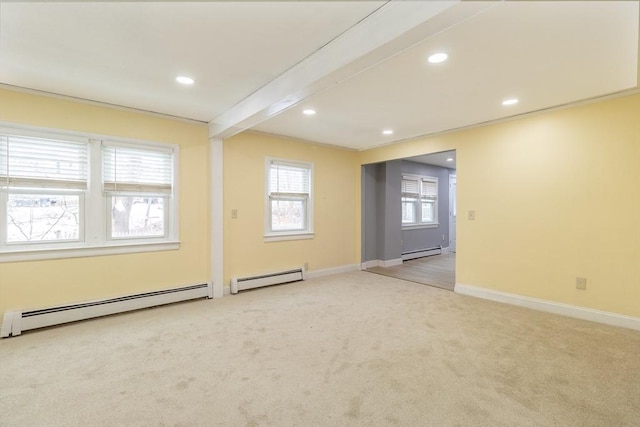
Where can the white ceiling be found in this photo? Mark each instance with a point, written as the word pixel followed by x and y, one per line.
pixel 361 65
pixel 437 159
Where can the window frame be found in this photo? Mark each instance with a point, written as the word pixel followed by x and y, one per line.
pixel 94 234
pixel 418 201
pixel 109 194
pixel 307 232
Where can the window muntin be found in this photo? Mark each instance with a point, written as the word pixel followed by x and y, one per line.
pixel 59 191
pixel 419 195
pixel 288 198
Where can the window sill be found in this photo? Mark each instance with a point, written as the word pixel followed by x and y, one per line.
pixel 281 237
pixel 84 250
pixel 420 226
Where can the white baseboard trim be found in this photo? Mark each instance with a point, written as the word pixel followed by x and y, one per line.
pixel 369 264
pixel 391 262
pixel 226 291
pixel 577 312
pixel 380 263
pixel 329 271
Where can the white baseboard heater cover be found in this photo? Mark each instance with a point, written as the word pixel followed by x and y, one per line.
pixel 244 283
pixel 421 253
pixel 14 322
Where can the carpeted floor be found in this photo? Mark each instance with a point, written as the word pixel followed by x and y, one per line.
pixel 355 349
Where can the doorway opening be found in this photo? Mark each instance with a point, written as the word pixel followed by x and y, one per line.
pixel 409 219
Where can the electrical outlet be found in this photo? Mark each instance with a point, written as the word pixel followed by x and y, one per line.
pixel 472 215
pixel 581 283
pixel 306 266
pixel 234 213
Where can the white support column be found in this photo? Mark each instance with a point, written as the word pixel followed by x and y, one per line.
pixel 217 210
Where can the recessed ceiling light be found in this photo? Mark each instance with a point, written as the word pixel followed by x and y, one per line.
pixel 449 159
pixel 438 57
pixel 510 101
pixel 308 112
pixel 387 132
pixel 184 80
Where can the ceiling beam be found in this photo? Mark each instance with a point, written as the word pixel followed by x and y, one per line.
pixel 393 28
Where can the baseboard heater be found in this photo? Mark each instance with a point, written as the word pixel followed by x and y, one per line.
pixel 14 322
pixel 419 253
pixel 244 283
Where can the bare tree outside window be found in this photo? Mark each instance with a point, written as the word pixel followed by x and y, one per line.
pixel 43 217
pixel 137 216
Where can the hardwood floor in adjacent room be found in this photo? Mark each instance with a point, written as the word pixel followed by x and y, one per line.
pixel 435 270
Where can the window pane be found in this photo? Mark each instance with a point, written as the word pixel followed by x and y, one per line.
pixel 43 217
pixel 287 215
pixel 408 212
pixel 428 212
pixel 134 216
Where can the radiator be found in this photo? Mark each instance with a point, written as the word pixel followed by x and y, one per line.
pixel 419 253
pixel 244 283
pixel 14 322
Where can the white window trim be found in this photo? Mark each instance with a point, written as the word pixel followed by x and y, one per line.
pixel 278 236
pixel 95 240
pixel 421 225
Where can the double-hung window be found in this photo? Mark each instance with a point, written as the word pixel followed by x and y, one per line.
pixel 419 201
pixel 64 194
pixel 43 184
pixel 137 184
pixel 289 202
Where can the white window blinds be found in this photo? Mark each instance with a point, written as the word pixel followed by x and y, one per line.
pixel 137 170
pixel 288 180
pixel 429 190
pixel 410 188
pixel 42 163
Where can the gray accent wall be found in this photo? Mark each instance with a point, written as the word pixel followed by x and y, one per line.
pixel 391 247
pixel 381 211
pixel 382 235
pixel 423 238
pixel 369 212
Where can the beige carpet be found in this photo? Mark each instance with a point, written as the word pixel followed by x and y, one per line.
pixel 355 349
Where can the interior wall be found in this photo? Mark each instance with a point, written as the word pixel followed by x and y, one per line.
pixel 544 189
pixel 334 183
pixel 390 248
pixel 381 211
pixel 370 212
pixel 36 284
pixel 423 238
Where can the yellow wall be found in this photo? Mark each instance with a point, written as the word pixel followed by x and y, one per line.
pixel 245 252
pixel 556 195
pixel 35 284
